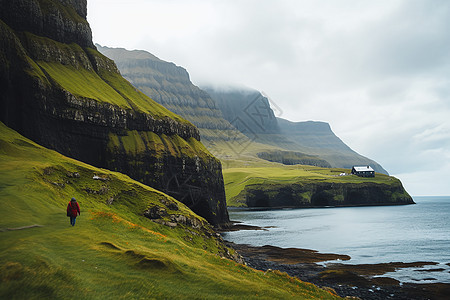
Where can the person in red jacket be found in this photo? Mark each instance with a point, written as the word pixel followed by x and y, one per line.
pixel 73 209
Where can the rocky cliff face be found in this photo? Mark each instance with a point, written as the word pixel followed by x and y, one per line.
pixel 326 194
pixel 63 21
pixel 60 92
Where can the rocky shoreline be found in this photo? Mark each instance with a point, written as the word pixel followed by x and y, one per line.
pixel 347 280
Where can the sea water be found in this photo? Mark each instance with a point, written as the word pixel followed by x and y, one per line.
pixel 374 234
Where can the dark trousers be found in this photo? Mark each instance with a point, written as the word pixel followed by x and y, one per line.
pixel 72 220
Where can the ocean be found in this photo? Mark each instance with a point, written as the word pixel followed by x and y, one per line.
pixel 374 234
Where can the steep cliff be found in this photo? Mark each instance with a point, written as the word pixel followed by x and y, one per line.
pixel 59 91
pixel 320 194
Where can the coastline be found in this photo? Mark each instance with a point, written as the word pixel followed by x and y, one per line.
pixel 365 281
pixel 281 207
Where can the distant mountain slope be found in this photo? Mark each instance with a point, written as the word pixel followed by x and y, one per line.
pixel 250 112
pixel 253 110
pixel 312 134
pixel 246 109
pixel 319 137
pixel 165 83
pixel 59 91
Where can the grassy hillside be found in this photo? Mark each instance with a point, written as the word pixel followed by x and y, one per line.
pixel 113 251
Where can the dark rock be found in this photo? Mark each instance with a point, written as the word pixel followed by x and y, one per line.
pixel 169 204
pixel 63 21
pixel 73 174
pixel 58 184
pixel 191 222
pixel 346 280
pixel 48 171
pixel 155 212
pixel 102 191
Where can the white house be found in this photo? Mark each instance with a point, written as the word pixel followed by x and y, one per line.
pixel 363 171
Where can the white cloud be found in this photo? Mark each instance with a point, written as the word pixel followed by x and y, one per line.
pixel 387 62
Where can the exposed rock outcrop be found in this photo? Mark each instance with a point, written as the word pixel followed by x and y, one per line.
pixel 60 92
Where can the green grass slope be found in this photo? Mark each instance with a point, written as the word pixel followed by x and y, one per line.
pixel 113 252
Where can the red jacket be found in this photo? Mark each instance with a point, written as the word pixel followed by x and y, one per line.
pixel 73 208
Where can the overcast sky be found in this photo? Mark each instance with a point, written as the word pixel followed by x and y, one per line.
pixel 377 71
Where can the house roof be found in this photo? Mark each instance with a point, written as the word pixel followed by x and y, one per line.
pixel 363 168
